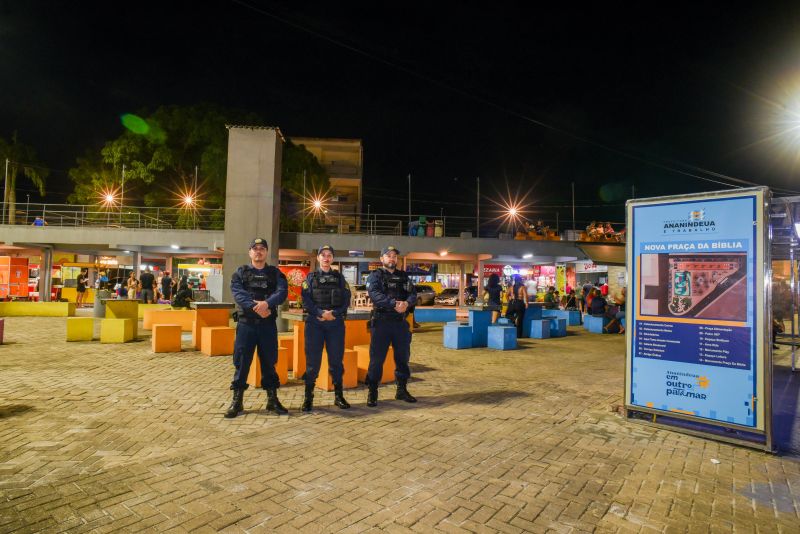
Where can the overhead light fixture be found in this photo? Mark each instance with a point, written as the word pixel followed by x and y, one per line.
pixel 797 229
pixel 443 253
pixel 174 247
pixel 527 256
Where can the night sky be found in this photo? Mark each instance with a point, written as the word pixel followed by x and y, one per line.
pixel 529 99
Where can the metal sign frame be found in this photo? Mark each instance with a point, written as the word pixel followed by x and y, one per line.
pixel 760 435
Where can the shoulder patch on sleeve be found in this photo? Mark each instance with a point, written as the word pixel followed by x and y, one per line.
pixel 305 284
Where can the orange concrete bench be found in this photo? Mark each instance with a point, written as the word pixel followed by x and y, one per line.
pixel 349 378
pixel 217 340
pixel 287 342
pixel 208 317
pixel 282 368
pixel 180 317
pixel 355 333
pixel 166 338
pixel 363 364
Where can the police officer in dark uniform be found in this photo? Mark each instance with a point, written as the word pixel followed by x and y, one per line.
pixel 326 297
pixel 258 290
pixel 392 295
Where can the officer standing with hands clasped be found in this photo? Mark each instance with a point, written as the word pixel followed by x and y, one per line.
pixel 392 294
pixel 258 290
pixel 326 297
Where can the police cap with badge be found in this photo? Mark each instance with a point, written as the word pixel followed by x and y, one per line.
pixel 259 241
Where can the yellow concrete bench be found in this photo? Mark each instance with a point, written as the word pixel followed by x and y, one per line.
pixel 80 328
pixel 166 338
pixel 349 378
pixel 37 309
pixel 185 318
pixel 281 367
pixel 363 364
pixel 217 340
pixel 116 330
pixel 2 329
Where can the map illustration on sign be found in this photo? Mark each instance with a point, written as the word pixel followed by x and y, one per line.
pixel 705 286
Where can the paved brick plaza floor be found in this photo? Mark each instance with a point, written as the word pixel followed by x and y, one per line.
pixel 110 438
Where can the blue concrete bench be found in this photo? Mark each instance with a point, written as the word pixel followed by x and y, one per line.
pixel 573 317
pixel 539 328
pixel 479 321
pixel 457 336
pixel 558 327
pixel 504 322
pixel 434 315
pixel 502 337
pixel 595 324
pixel 532 312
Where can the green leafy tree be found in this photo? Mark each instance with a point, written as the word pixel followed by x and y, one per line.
pixel 21 157
pixel 159 152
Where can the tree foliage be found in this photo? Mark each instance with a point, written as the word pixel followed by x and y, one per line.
pixel 21 157
pixel 160 150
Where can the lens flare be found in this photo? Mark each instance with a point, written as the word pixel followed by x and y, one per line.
pixel 135 124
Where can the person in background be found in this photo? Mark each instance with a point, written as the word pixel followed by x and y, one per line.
pixel 166 286
pixel 517 304
pixel 183 297
pixel 571 302
pixel 493 292
pixel 39 221
pixel 80 287
pixel 620 300
pixel 598 305
pixel 550 299
pixel 132 285
pixel 148 286
pixel 604 289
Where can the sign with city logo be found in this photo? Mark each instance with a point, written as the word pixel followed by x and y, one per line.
pixel 697 345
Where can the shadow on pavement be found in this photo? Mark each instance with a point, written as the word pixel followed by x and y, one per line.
pixel 11 410
pixel 785 421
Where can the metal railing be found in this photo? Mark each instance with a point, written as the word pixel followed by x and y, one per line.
pixel 389 224
pixel 81 215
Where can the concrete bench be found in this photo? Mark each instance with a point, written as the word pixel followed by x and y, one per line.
pixel 539 328
pixel 185 318
pixel 573 317
pixel 166 338
pixel 287 342
pixel 281 368
pixel 434 315
pixel 362 355
pixel 479 321
pixel 145 307
pixel 37 309
pixel 217 340
pixel 558 327
pixel 2 329
pixel 80 328
pixel 532 313
pixel 595 325
pixel 116 330
pixel 457 336
pixel 350 376
pixel 502 337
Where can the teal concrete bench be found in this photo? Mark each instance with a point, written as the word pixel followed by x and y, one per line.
pixel 539 328
pixel 502 337
pixel 434 315
pixel 595 324
pixel 457 336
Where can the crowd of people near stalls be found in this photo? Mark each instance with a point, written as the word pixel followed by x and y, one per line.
pixel 588 299
pixel 600 231
pixel 149 287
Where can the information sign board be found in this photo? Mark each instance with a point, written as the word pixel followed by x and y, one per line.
pixel 697 342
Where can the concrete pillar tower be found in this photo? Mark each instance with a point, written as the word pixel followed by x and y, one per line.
pixel 252 196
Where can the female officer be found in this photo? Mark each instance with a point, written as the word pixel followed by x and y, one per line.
pixel 326 297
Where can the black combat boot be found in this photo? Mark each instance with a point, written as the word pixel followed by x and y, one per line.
pixel 237 405
pixel 273 404
pixel 338 397
pixel 308 400
pixel 372 396
pixel 402 392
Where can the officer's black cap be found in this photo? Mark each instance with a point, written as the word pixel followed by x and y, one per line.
pixel 389 249
pixel 325 247
pixel 259 241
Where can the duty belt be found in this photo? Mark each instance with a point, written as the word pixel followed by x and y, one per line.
pixel 389 316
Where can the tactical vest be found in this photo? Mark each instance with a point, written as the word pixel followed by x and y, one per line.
pixel 326 289
pixel 259 285
pixel 396 285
